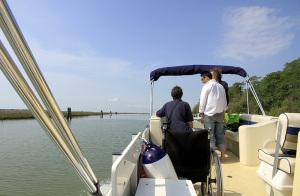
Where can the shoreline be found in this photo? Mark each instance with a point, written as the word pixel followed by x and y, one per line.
pixel 18 114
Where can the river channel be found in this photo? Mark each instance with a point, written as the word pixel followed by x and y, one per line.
pixel 30 164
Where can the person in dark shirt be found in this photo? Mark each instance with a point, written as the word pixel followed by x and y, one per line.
pixel 216 74
pixel 182 142
pixel 178 112
pixel 225 85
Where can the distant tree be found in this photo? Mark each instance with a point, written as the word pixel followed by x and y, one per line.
pixel 278 91
pixel 255 80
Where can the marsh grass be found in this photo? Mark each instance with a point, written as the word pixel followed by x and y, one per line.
pixel 10 114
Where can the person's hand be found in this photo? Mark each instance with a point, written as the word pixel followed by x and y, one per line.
pixel 202 120
pixel 226 109
pixel 201 117
pixel 190 124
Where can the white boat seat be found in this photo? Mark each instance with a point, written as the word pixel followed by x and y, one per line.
pixel 288 125
pixel 285 164
pixel 288 140
pixel 278 160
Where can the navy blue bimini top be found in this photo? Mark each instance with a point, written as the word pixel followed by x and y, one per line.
pixel 194 69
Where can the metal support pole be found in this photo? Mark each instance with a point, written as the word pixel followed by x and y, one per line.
pixel 255 96
pixel 256 99
pixel 277 148
pixel 69 114
pixel 20 47
pixel 151 98
pixel 247 91
pixel 16 79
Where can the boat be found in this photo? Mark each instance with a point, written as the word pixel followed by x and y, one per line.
pixel 256 164
pixel 261 158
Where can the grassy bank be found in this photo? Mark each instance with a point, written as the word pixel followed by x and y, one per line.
pixel 11 114
pixel 14 114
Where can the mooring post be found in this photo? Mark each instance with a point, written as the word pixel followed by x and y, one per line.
pixel 69 115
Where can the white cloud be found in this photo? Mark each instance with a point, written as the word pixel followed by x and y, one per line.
pixel 84 61
pixel 136 106
pixel 255 32
pixel 113 99
pixel 83 80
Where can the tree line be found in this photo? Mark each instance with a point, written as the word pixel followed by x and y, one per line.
pixel 279 92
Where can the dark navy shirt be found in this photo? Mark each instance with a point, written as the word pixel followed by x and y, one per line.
pixel 181 115
pixel 225 85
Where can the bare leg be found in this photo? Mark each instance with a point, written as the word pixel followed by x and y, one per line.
pixel 220 137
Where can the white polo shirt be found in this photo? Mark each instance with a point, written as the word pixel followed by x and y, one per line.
pixel 212 98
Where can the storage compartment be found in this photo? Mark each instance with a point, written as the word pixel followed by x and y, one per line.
pixel 165 187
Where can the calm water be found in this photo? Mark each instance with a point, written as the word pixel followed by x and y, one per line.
pixel 30 164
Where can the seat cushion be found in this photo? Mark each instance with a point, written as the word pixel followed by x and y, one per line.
pixel 290 142
pixel 286 163
pixel 289 125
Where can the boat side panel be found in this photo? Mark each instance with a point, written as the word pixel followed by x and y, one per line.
pixel 296 189
pixel 156 131
pixel 124 169
pixel 252 138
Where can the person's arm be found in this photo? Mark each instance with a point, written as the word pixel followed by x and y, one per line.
pixel 203 98
pixel 161 112
pixel 190 124
pixel 189 116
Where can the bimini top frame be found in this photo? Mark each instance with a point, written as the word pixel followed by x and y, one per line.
pixel 198 69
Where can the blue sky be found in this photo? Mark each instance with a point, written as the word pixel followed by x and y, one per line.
pixel 98 54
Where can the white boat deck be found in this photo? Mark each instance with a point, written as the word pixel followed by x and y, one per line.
pixel 240 179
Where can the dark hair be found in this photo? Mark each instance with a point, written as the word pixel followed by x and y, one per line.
pixel 207 74
pixel 216 73
pixel 176 92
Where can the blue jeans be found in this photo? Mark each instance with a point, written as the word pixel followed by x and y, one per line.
pixel 217 135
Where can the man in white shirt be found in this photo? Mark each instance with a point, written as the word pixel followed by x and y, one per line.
pixel 211 108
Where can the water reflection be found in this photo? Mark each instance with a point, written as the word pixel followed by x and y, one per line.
pixel 30 164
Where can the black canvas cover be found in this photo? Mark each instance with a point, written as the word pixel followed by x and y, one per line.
pixel 189 153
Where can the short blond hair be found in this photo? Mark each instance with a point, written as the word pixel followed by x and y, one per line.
pixel 216 74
